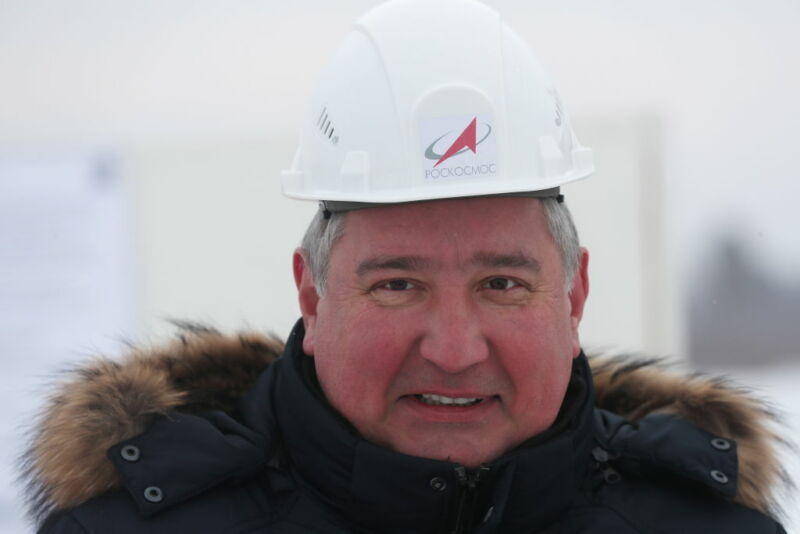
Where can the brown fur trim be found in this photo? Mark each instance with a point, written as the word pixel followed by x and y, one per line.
pixel 635 387
pixel 104 402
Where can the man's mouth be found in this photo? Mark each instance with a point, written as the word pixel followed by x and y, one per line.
pixel 441 400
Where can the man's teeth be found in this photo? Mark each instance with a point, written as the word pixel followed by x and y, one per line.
pixel 441 400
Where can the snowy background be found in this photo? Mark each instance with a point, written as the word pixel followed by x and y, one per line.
pixel 140 145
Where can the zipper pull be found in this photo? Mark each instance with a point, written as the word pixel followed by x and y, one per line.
pixel 470 478
pixel 461 475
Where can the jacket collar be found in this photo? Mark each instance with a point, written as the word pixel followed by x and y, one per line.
pixel 382 490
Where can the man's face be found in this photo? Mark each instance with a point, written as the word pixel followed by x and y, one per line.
pixel 446 330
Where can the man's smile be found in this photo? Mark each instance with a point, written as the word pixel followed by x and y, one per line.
pixel 454 408
pixel 441 400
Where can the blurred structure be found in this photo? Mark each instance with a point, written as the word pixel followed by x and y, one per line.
pixel 738 315
pixel 621 215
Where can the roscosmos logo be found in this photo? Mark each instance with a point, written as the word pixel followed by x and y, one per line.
pixel 457 147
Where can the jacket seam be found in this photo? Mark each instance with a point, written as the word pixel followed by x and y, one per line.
pixel 626 519
pixel 75 521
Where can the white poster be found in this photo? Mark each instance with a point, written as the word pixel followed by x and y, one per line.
pixel 65 282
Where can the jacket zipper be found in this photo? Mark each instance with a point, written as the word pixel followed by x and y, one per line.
pixel 465 498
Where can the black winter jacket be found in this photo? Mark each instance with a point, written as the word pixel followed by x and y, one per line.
pixel 283 461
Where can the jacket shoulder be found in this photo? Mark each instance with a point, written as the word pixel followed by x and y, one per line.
pixel 268 503
pixel 646 505
pixel 640 506
pixel 104 402
pixel 686 451
pixel 242 507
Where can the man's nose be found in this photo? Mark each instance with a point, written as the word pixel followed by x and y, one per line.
pixel 454 339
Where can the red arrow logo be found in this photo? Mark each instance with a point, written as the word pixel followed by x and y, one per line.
pixel 465 140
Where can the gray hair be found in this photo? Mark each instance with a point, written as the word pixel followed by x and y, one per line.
pixel 323 233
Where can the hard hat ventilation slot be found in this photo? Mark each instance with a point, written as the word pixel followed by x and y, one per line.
pixel 325 126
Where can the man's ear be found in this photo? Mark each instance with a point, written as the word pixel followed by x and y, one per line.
pixel 307 297
pixel 577 298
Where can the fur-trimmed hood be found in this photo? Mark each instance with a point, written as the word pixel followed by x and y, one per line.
pixel 104 402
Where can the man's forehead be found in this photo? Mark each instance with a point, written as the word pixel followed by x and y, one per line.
pixel 454 233
pixel 470 209
pixel 489 225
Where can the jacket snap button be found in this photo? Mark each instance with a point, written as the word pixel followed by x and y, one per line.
pixel 438 483
pixel 611 476
pixel 600 455
pixel 721 444
pixel 719 476
pixel 130 453
pixel 153 494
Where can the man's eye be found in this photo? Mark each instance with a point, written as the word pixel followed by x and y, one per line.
pixel 397 285
pixel 500 284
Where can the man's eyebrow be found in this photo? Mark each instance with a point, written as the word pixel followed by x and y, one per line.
pixel 515 259
pixel 401 263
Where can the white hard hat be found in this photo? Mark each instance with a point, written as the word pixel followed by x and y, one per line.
pixel 430 99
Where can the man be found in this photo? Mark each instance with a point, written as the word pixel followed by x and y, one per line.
pixel 436 382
